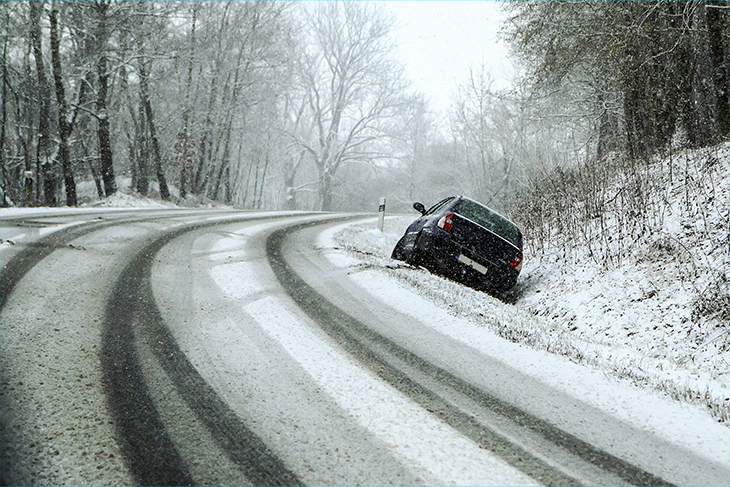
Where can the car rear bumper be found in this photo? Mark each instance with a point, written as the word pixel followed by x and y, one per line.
pixel 441 254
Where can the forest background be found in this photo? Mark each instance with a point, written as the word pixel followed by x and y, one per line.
pixel 298 105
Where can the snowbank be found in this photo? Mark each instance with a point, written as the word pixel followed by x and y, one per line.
pixel 657 319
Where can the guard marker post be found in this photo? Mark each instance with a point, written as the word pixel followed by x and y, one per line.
pixel 381 214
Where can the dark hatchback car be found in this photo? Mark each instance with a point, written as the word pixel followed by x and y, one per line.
pixel 464 240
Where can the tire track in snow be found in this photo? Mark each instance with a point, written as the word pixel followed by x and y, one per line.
pixel 380 355
pixel 35 251
pixel 408 430
pixel 151 454
pixel 148 450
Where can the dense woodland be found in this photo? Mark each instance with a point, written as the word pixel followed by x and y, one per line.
pixel 289 105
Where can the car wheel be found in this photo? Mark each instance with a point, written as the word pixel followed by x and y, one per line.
pixel 415 258
pixel 398 251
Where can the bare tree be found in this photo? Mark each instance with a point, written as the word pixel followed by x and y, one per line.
pixel 144 94
pixel 410 148
pixel 43 158
pixel 472 122
pixel 295 155
pixel 4 186
pixel 186 149
pixel 102 10
pixel 351 84
pixel 65 124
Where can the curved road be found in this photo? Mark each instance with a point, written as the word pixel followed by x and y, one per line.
pixel 224 348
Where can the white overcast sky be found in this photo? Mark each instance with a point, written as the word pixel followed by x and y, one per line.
pixel 439 40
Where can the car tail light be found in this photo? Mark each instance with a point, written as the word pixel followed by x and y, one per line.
pixel 446 221
pixel 516 264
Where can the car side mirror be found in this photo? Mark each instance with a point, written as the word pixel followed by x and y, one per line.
pixel 419 208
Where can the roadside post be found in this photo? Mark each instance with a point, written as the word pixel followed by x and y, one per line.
pixel 381 214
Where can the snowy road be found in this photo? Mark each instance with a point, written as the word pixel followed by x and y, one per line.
pixel 222 348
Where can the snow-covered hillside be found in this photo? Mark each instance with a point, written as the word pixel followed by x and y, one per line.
pixel 658 318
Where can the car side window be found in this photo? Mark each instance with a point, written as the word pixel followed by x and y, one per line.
pixel 439 205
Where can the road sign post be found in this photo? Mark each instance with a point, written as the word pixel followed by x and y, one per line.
pixel 381 214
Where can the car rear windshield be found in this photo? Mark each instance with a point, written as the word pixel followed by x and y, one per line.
pixel 490 220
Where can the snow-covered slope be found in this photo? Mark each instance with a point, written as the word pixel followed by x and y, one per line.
pixel 658 317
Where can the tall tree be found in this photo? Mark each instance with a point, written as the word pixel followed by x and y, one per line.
pixel 217 31
pixel 65 124
pixel 411 146
pixel 351 83
pixel 663 58
pixel 43 158
pixel 184 138
pixel 294 125
pixel 4 186
pixel 150 20
pixel 102 10
pixel 144 93
pixel 472 121
pixel 80 56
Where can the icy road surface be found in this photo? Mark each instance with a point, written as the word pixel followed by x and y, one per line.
pixel 225 348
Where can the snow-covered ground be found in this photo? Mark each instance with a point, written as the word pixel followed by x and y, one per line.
pixel 639 361
pixel 637 321
pixel 533 347
pixel 657 319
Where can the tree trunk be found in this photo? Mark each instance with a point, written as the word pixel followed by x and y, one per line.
pixel 184 170
pixel 227 126
pixel 44 102
pixel 103 131
pixel 226 156
pixel 157 159
pixel 130 133
pixel 97 180
pixel 227 180
pixel 3 121
pixel 247 186
pixel 140 137
pixel 705 128
pixel 200 185
pixel 94 172
pixel 290 192
pixel 63 123
pixel 325 191
pixel 25 134
pixel 718 25
pixel 263 181
pixel 200 182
